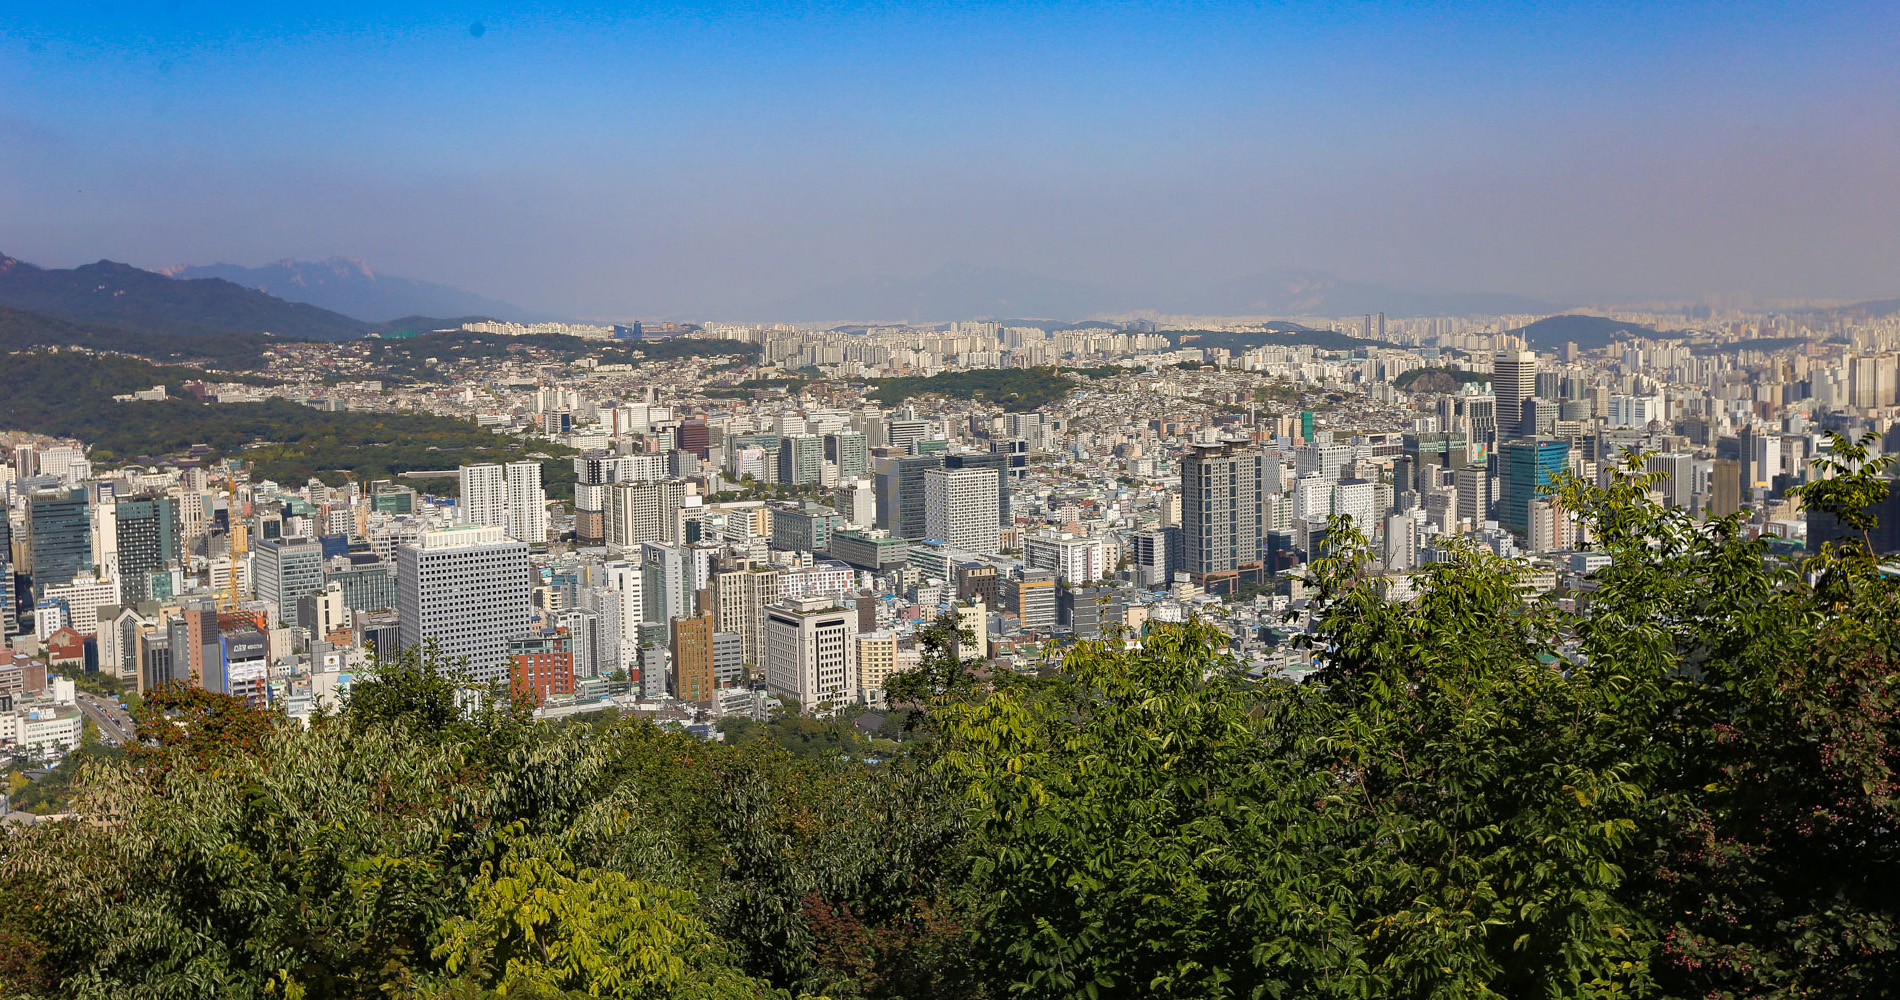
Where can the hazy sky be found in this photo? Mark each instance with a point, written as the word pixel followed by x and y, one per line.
pixel 692 158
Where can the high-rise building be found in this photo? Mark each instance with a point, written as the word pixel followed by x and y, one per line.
pixel 9 615
pixel 693 678
pixel 364 579
pixel 728 660
pixel 324 612
pixel 1221 501
pixel 801 459
pixel 641 512
pixel 1075 559
pixel 466 589
pixel 586 640
pixel 484 496
pixel 810 647
pixel 59 533
pixel 900 494
pixel 1531 466
pixel 667 582
pixel 960 508
pixel 693 435
pixel 850 453
pixel 507 497
pixel 527 503
pixel 856 500
pixel 1513 380
pixel 1001 461
pixel 1474 495
pixel 540 666
pixel 1677 470
pixel 1030 596
pixel 1725 487
pixel 150 538
pixel 739 595
pixel 194 640
pixel 284 569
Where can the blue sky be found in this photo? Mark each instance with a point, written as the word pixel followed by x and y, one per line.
pixel 699 158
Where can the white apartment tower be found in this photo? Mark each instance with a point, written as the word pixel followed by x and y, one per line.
pixel 507 497
pixel 962 509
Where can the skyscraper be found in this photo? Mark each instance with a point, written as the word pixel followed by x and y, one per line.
pixel 643 512
pixel 998 460
pixel 900 494
pixel 467 589
pixel 284 569
pixel 506 497
pixel 1221 501
pixel 59 529
pixel 1513 380
pixel 150 538
pixel 801 459
pixel 693 678
pixel 960 508
pixel 527 505
pixel 484 496
pixel 1530 467
pixel 849 452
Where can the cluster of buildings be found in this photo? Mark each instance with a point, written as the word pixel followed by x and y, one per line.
pixel 736 552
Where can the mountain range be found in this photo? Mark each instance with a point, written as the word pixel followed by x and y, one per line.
pixel 144 302
pixel 962 292
pixel 352 288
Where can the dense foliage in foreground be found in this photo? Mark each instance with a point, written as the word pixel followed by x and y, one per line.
pixel 1687 790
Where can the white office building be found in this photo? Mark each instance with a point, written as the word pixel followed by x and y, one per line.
pixel 466 589
pixel 810 651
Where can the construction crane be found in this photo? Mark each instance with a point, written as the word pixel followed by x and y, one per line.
pixel 240 543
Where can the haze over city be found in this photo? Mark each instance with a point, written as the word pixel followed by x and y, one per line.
pixel 774 161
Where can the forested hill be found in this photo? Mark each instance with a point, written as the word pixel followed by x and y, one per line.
pixel 142 302
pixel 69 394
pixel 1588 332
pixel 20 330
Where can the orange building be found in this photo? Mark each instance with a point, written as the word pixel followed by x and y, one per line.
pixel 540 666
pixel 693 658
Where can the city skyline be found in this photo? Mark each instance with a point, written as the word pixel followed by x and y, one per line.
pixel 724 162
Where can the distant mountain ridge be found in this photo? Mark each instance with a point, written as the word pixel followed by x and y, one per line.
pixel 140 301
pixel 961 291
pixel 353 288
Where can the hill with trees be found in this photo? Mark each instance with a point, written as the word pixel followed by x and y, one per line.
pixel 1438 379
pixel 1689 787
pixel 69 394
pixel 1588 332
pixel 22 330
pixel 1279 334
pixel 1017 390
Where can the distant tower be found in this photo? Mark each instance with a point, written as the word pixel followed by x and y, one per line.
pixel 1513 380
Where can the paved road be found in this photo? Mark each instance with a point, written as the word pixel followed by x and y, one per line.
pixel 115 724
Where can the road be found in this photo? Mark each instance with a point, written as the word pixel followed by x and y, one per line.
pixel 115 724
